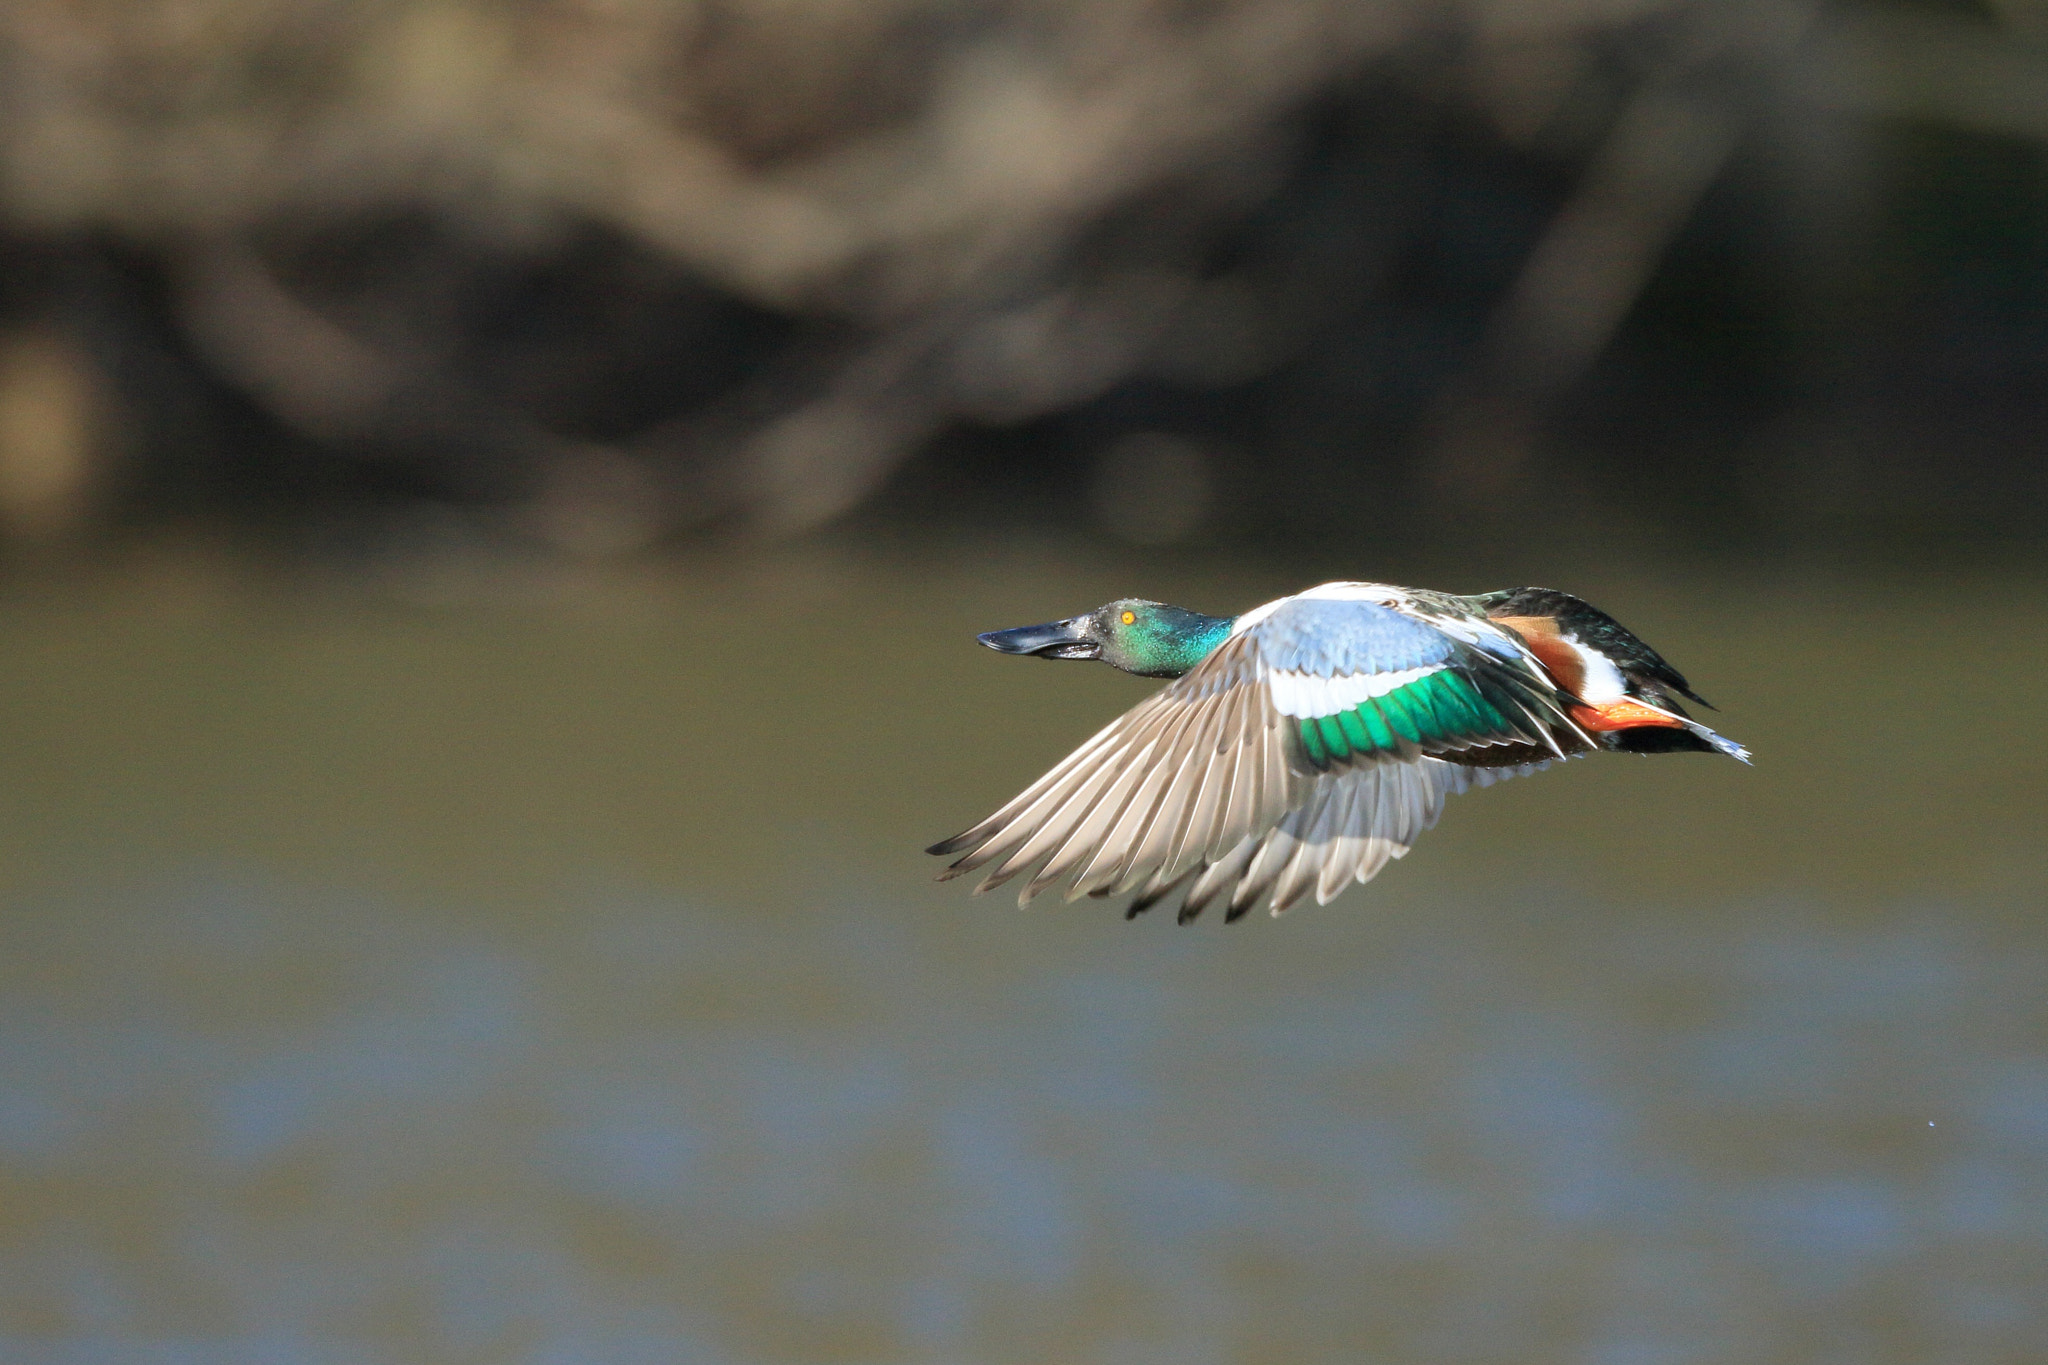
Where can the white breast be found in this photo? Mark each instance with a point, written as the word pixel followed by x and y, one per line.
pixel 1603 682
pixel 1386 594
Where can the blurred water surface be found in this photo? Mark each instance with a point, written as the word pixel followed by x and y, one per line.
pixel 413 968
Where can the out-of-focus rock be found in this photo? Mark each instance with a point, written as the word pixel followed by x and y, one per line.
pixel 54 437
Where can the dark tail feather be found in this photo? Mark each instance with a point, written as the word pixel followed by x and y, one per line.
pixel 1665 739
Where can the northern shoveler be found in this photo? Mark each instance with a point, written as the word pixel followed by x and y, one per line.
pixel 1303 744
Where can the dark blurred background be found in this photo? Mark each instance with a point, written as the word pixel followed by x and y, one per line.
pixel 607 275
pixel 495 500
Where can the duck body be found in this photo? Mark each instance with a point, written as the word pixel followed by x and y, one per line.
pixel 1303 744
pixel 1628 696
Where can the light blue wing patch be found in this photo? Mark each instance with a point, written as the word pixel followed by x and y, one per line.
pixel 1334 638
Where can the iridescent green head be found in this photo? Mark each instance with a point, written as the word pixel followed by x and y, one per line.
pixel 1150 639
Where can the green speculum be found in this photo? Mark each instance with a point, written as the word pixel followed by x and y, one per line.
pixel 1442 706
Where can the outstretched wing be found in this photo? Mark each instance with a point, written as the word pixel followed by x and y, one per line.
pixel 1316 743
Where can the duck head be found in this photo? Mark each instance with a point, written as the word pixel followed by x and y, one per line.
pixel 1150 639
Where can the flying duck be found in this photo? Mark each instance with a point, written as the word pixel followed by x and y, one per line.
pixel 1302 745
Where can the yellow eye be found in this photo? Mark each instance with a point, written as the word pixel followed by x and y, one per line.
pixel 1129 617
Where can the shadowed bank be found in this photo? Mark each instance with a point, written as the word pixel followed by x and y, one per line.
pixel 600 277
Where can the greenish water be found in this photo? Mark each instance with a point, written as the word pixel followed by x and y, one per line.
pixel 482 963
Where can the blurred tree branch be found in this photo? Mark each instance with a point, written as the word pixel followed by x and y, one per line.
pixel 941 196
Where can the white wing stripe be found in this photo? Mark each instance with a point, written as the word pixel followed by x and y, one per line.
pixel 1306 695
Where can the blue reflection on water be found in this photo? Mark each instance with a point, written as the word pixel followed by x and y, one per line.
pixel 654 1131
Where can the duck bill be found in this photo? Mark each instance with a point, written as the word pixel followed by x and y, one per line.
pixel 1070 639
